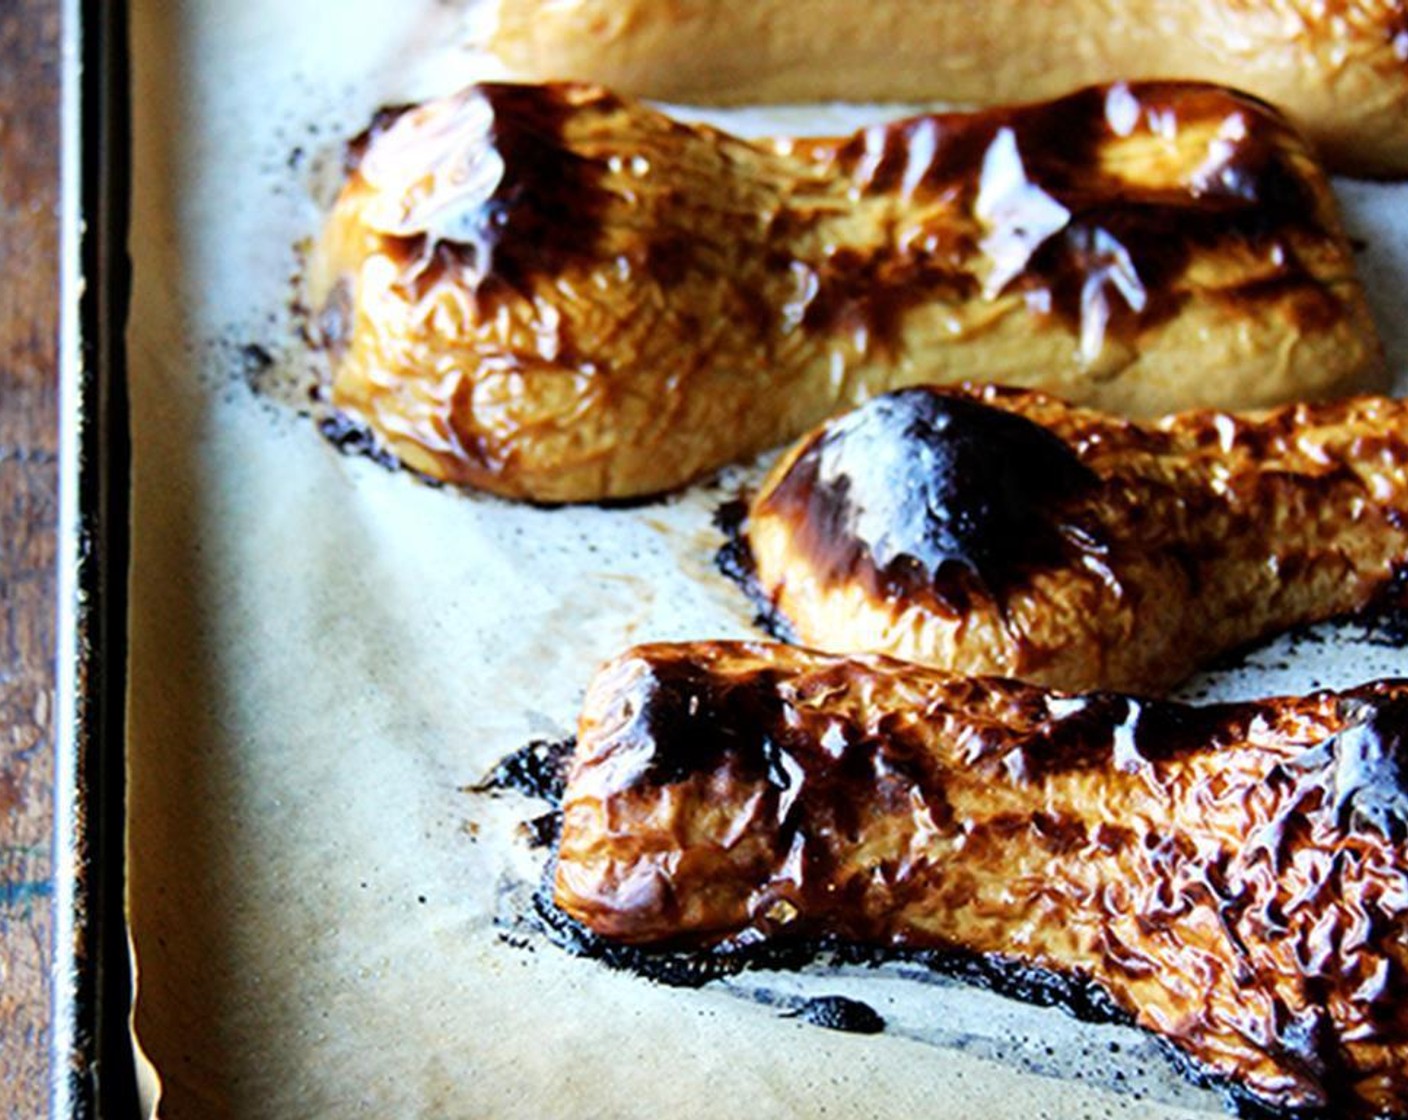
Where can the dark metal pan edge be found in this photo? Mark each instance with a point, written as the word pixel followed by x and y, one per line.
pixel 92 1060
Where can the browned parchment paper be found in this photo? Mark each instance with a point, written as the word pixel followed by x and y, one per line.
pixel 325 655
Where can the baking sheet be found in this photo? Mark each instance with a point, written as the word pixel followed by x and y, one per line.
pixel 325 655
pixel 90 1046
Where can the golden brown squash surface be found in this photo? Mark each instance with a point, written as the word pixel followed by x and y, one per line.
pixel 998 531
pixel 1233 876
pixel 554 293
pixel 1338 68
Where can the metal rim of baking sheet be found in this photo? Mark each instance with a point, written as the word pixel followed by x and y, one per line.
pixel 91 1044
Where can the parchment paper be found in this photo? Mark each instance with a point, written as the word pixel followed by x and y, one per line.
pixel 326 654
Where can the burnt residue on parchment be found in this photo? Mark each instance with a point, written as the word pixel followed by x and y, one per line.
pixel 354 438
pixel 1012 979
pixel 1384 622
pixel 696 967
pixel 536 770
pixel 837 1013
pixel 734 561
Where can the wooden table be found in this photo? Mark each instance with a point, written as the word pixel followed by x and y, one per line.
pixel 29 302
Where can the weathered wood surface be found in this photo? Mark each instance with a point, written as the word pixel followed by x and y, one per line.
pixel 29 303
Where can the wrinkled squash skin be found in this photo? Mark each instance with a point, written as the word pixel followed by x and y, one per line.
pixel 1000 531
pixel 1233 876
pixel 554 293
pixel 1338 68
